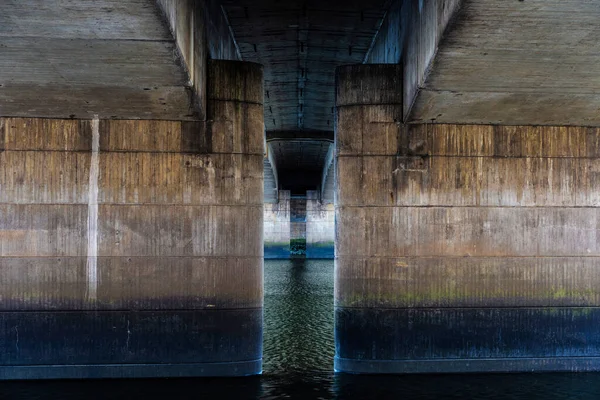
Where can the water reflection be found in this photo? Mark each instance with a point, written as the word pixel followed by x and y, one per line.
pixel 298 334
pixel 548 386
pixel 583 386
pixel 298 353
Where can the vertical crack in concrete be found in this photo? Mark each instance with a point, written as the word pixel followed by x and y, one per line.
pixel 92 226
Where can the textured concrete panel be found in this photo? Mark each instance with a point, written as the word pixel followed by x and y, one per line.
pixel 521 62
pixel 377 340
pixel 74 59
pixel 70 19
pixel 130 337
pixel 441 282
pixel 465 247
pixel 138 283
pixel 169 230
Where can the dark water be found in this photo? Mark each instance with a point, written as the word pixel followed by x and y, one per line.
pixel 298 360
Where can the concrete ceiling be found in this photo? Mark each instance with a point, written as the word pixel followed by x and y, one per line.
pixel 300 43
pixel 300 163
pixel 306 155
pixel 73 58
pixel 517 62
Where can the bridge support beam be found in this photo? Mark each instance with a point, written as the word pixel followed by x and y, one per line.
pixel 461 248
pixel 134 248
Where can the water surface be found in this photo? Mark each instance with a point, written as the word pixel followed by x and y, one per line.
pixel 298 361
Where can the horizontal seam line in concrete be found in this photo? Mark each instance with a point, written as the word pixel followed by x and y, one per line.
pixel 416 308
pixel 102 119
pixel 456 206
pixel 300 139
pixel 236 101
pixel 256 205
pixel 182 118
pixel 89 310
pixel 184 153
pixel 495 157
pixel 558 91
pixel 145 256
pixel 136 257
pixel 127 365
pixel 359 257
pixel 428 122
pixel 477 360
pixel 91 84
pixel 116 39
pixel 399 104
pixel 346 257
pixel 250 205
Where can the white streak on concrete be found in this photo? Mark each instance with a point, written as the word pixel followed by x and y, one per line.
pixel 92 226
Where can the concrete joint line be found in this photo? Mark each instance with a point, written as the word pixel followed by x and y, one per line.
pixel 92 224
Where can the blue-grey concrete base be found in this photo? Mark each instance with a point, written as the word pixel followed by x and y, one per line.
pixel 128 344
pixel 442 340
pixel 437 366
pixel 243 368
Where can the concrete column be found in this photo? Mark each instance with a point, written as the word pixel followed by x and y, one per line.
pixel 277 227
pixel 298 227
pixel 320 226
pixel 462 248
pixel 134 248
pixel 368 111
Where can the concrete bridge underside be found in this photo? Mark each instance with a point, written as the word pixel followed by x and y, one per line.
pixel 139 141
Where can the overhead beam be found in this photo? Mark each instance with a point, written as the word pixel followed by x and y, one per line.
pixel 201 31
pixel 410 36
pixel 300 135
pixel 537 64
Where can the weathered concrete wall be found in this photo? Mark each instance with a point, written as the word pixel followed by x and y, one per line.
pixel 76 59
pixel 410 35
pixel 532 62
pixel 134 247
pixel 201 31
pixel 320 227
pixel 462 247
pixel 277 227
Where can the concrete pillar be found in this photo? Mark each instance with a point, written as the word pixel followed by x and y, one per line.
pixel 320 226
pixel 462 248
pixel 134 248
pixel 298 227
pixel 277 227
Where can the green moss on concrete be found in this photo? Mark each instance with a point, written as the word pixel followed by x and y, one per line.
pixel 458 297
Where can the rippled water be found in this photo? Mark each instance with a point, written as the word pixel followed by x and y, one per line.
pixel 298 330
pixel 298 359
